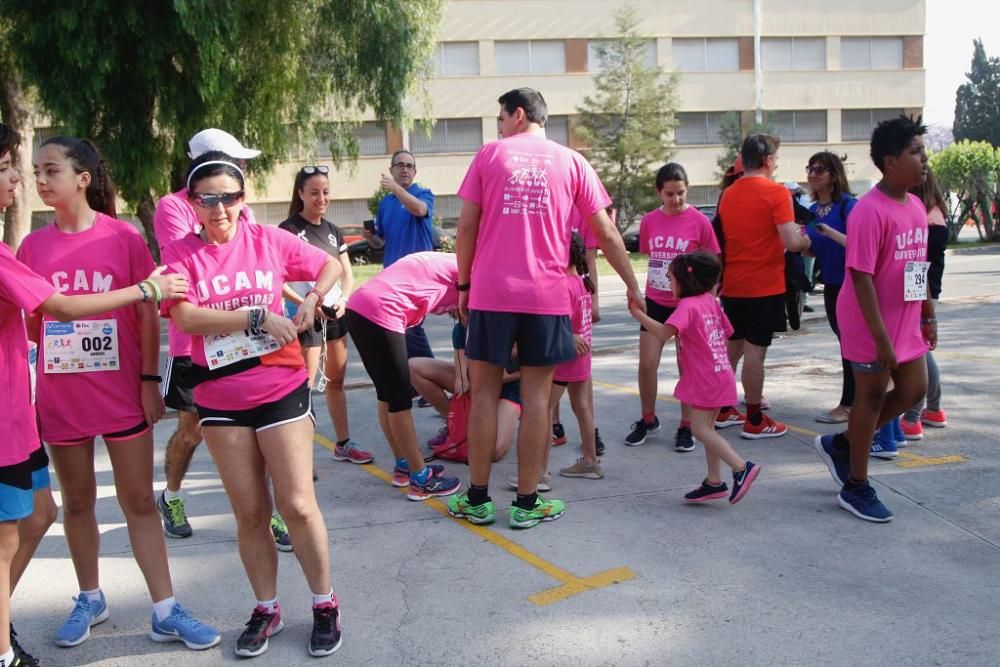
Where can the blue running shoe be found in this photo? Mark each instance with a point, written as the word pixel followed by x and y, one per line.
pixel 863 502
pixel 836 459
pixel 434 486
pixel 180 626
pixel 85 614
pixel 884 444
pixel 897 432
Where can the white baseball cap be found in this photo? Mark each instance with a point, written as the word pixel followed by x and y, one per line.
pixel 217 140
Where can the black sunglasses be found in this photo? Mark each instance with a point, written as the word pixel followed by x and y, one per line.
pixel 817 169
pixel 227 199
pixel 315 169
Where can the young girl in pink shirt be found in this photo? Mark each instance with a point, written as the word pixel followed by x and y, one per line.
pixel 97 376
pixel 707 382
pixel 575 374
pixel 664 233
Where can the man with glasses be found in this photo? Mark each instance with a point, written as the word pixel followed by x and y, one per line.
pixel 174 219
pixel 403 227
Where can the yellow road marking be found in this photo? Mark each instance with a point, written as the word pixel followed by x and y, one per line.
pixel 570 584
pixel 908 460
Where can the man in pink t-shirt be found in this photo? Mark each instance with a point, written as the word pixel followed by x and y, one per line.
pixel 885 310
pixel 173 220
pixel 513 249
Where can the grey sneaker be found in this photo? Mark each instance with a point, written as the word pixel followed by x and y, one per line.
pixel 544 482
pixel 175 523
pixel 583 469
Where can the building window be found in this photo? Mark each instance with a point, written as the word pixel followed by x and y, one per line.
pixel 450 135
pixel 706 55
pixel 857 124
pixel 456 59
pixel 793 53
pixel 270 213
pixel 557 129
pixel 370 136
pixel 594 63
pixel 446 210
pixel 530 57
pixel 701 127
pixel 871 53
pixel 799 126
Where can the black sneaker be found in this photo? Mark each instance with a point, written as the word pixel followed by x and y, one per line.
pixel 326 636
pixel 600 443
pixel 707 492
pixel 640 430
pixel 684 441
pixel 262 626
pixel 558 435
pixel 21 657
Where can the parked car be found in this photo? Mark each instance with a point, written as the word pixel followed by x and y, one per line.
pixel 351 233
pixel 360 252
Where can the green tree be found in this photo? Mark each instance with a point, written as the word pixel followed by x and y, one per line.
pixel 732 132
pixel 141 78
pixel 969 171
pixel 15 111
pixel 628 123
pixel 977 102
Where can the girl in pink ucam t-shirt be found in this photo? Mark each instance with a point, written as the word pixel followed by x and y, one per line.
pixel 707 381
pixel 97 376
pixel 670 230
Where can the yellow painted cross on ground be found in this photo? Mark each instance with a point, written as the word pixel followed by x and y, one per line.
pixel 569 583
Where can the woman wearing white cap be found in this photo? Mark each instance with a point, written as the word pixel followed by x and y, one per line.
pixel 174 219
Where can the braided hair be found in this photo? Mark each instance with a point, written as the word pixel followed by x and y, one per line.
pixel 578 260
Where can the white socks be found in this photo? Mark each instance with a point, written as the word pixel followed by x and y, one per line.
pixel 170 495
pixel 164 608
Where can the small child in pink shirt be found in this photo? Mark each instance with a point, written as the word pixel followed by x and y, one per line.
pixel 575 374
pixel 707 382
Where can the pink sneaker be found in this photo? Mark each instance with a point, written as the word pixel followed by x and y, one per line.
pixel 911 430
pixel 934 418
pixel 351 452
pixel 439 439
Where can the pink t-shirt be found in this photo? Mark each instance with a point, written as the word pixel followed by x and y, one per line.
pixel 405 293
pixel 174 219
pixel 578 369
pixel 883 237
pixel 248 270
pixel 20 290
pixel 707 379
pixel 663 237
pixel 527 187
pixel 108 256
pixel 583 228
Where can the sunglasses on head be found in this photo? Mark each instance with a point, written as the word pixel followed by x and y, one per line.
pixel 817 169
pixel 315 169
pixel 227 199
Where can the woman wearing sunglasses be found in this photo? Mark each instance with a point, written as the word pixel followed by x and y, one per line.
pixel 253 394
pixel 328 336
pixel 833 201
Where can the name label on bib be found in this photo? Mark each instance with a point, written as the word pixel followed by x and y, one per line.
pixel 84 346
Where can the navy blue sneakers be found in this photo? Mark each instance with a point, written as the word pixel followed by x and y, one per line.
pixel 836 459
pixel 862 501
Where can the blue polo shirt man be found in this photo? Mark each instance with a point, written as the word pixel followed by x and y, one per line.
pixel 403 227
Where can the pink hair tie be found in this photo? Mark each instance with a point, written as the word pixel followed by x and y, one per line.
pixel 690 269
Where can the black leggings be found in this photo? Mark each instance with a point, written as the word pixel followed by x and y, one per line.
pixel 830 294
pixel 383 354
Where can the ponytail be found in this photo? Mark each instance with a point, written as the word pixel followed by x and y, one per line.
pixel 84 156
pixel 578 260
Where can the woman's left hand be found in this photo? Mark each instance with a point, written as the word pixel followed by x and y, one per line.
pixel 306 314
pixel 152 402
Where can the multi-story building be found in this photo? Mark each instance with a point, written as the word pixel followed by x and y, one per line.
pixel 822 74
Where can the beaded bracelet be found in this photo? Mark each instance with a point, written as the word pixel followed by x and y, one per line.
pixel 255 317
pixel 155 289
pixel 145 292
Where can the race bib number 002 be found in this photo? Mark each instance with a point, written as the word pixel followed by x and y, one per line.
pixel 85 346
pixel 226 349
pixel 915 281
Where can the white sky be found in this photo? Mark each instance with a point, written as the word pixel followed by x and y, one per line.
pixel 951 27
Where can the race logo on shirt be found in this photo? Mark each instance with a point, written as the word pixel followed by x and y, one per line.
pixel 527 189
pixel 222 285
pixel 97 282
pixel 905 241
